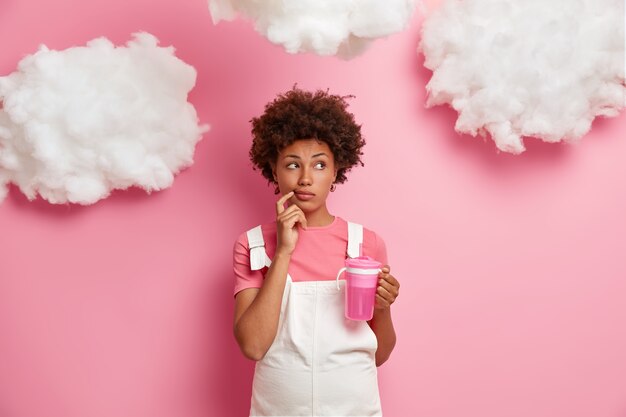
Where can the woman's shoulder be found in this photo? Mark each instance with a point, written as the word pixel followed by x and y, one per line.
pixel 368 234
pixel 374 245
pixel 268 230
pixel 372 238
pixel 372 241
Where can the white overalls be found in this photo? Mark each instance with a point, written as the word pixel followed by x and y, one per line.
pixel 320 363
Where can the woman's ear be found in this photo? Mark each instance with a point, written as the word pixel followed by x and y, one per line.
pixel 274 173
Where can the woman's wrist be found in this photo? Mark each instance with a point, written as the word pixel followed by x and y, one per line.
pixel 284 254
pixel 382 313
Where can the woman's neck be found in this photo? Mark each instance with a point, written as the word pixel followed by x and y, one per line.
pixel 319 218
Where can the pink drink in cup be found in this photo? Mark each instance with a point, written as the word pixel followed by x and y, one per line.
pixel 361 284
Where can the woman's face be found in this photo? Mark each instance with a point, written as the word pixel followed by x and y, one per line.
pixel 307 167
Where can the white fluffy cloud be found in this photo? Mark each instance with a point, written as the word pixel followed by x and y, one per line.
pixel 325 27
pixel 80 122
pixel 537 68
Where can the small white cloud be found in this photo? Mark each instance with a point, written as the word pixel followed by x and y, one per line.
pixel 534 68
pixel 81 122
pixel 325 27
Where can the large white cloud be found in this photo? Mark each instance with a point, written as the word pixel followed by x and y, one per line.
pixel 537 68
pixel 80 122
pixel 326 27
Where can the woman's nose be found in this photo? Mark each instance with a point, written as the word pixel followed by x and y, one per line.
pixel 305 178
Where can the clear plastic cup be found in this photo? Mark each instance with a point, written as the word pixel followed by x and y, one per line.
pixel 361 284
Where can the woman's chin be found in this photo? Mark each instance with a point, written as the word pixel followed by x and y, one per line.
pixel 305 206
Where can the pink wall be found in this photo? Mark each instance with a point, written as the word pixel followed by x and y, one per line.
pixel 512 267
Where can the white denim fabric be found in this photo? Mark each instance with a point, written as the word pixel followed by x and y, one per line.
pixel 320 363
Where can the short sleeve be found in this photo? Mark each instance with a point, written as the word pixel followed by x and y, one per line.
pixel 380 250
pixel 374 246
pixel 244 276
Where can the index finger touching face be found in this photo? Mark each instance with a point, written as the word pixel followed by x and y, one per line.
pixel 280 204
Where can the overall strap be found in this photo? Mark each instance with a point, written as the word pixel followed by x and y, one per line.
pixel 355 239
pixel 258 256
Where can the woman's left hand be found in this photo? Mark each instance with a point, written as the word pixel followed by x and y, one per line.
pixel 388 289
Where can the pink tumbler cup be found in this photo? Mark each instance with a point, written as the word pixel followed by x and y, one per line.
pixel 361 284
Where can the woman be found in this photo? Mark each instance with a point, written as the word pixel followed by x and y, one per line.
pixel 311 360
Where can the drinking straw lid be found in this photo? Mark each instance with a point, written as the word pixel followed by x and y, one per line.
pixel 363 262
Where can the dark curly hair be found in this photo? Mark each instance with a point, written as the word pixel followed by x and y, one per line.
pixel 299 114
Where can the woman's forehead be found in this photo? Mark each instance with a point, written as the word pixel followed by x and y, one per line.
pixel 306 147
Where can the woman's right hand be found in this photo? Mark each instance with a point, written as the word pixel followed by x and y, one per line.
pixel 286 225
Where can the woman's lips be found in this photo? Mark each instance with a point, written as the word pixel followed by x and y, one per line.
pixel 303 196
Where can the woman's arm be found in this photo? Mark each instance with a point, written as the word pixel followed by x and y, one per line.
pixel 257 310
pixel 381 323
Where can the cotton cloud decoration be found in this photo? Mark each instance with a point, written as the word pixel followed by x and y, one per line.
pixel 325 27
pixel 78 123
pixel 533 68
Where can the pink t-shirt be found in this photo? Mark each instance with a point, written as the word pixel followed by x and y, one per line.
pixel 319 254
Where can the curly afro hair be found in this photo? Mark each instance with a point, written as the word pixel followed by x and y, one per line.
pixel 299 114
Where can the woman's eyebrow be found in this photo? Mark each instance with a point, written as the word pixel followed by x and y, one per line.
pixel 297 157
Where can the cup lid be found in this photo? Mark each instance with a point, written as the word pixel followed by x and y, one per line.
pixel 363 262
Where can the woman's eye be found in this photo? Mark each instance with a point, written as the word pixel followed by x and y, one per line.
pixel 320 165
pixel 292 165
